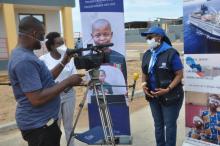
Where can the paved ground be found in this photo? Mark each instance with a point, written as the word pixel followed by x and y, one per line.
pixel 141 120
pixel 141 125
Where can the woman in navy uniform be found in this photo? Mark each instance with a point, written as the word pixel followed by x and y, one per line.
pixel 161 81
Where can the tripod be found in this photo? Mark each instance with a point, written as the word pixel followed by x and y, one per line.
pixel 106 121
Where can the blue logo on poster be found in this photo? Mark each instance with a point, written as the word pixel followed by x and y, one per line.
pixel 195 67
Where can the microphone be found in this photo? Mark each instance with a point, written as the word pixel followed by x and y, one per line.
pixel 135 77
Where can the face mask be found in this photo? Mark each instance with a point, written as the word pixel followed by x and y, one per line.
pixel 61 49
pixel 152 43
pixel 42 43
pixel 41 40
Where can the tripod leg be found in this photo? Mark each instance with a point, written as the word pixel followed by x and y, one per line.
pixel 81 105
pixel 108 117
pixel 101 115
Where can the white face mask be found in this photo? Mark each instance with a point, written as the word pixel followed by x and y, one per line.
pixel 152 43
pixel 61 49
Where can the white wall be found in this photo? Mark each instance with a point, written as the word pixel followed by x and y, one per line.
pixel 52 21
pixel 52 18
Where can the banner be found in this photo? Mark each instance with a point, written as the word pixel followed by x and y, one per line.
pixel 202 72
pixel 103 23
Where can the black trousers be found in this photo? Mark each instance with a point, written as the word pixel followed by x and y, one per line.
pixel 44 136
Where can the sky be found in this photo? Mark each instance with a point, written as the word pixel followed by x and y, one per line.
pixel 141 10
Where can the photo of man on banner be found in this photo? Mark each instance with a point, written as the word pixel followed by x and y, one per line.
pixel 103 23
pixel 102 34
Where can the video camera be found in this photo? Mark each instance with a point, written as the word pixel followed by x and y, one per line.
pixel 93 59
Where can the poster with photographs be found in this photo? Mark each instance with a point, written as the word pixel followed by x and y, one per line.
pixel 202 71
pixel 103 24
pixel 203 118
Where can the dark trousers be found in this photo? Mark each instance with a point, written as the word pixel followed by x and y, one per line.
pixel 165 118
pixel 44 136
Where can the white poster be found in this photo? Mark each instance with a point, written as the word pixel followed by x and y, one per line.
pixel 202 73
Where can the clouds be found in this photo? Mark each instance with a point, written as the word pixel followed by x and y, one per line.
pixel 76 17
pixel 141 10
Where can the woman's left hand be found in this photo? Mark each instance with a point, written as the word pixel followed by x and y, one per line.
pixel 160 92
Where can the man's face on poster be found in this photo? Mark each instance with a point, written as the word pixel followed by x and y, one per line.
pixel 102 76
pixel 102 35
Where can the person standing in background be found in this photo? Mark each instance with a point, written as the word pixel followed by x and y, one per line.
pixel 67 106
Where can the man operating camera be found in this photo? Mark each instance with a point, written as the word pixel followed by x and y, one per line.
pixel 35 91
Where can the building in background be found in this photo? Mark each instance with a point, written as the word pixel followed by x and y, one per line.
pixel 173 28
pixel 55 14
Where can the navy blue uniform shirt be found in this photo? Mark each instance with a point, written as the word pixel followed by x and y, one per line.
pixel 176 65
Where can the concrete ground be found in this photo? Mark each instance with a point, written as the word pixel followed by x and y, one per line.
pixel 141 126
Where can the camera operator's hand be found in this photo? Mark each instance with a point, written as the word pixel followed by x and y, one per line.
pixel 75 79
pixel 66 59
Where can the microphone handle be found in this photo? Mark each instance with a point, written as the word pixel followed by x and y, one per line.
pixel 134 85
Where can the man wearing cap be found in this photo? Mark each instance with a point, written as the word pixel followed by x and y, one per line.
pixel 162 72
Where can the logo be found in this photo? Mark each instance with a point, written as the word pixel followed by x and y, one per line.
pixel 163 65
pixel 194 66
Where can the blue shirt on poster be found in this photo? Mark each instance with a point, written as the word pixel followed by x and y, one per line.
pixel 212 126
pixel 27 74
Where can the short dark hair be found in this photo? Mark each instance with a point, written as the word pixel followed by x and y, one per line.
pixel 29 24
pixel 50 39
pixel 102 71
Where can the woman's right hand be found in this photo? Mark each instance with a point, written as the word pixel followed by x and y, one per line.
pixel 146 91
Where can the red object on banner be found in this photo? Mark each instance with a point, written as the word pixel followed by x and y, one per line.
pixel 191 111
